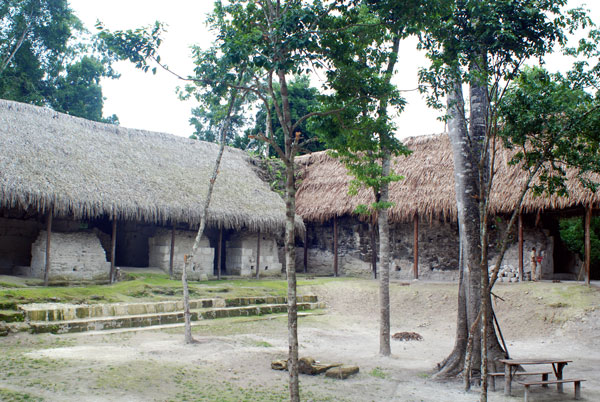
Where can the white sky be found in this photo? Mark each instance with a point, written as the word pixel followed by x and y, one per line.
pixel 146 101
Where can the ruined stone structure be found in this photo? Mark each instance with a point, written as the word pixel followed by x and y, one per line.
pixel 102 190
pixel 242 256
pixel 74 256
pixel 438 250
pixel 160 253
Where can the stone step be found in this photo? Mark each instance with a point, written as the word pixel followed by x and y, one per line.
pixel 55 312
pixel 147 320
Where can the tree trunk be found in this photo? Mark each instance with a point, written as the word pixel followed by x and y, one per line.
pixel 467 152
pixel 189 259
pixel 290 246
pixel 290 267
pixel 384 259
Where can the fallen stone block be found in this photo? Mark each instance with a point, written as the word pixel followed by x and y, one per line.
pixel 279 364
pixel 341 372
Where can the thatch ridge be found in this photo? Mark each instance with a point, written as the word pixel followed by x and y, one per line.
pixel 86 169
pixel 427 188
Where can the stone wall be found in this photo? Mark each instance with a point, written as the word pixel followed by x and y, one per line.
pixel 16 238
pixel 241 255
pixel 438 249
pixel 76 255
pixel 160 250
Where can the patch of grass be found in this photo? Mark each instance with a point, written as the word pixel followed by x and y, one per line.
pixel 7 395
pixel 378 372
pixel 263 344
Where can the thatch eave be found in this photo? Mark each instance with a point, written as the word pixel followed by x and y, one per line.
pixel 84 169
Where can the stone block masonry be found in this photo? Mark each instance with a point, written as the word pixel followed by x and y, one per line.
pixel 76 255
pixel 160 251
pixel 241 255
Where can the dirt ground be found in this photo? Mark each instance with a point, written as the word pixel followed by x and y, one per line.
pixel 231 361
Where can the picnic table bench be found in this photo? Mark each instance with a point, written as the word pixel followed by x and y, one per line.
pixel 511 366
pixel 492 376
pixel 575 381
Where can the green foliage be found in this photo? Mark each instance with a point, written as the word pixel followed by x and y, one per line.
pixel 303 99
pixel 362 135
pixel 554 123
pixel 48 59
pixel 572 234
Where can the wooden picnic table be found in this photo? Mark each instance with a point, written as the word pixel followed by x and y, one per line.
pixel 511 366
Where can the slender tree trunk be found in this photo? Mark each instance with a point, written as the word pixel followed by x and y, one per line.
pixel 290 235
pixel 189 259
pixel 384 259
pixel 290 266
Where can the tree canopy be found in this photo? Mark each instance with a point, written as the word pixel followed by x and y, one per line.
pixel 48 59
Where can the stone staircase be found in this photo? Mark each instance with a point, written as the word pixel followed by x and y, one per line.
pixel 60 318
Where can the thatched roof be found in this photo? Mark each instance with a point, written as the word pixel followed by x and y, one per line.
pixel 428 187
pixel 86 169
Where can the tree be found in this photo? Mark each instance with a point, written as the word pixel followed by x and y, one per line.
pixel 484 44
pixel 363 135
pixel 303 100
pixel 259 44
pixel 47 59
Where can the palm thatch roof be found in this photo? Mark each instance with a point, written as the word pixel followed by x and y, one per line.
pixel 427 188
pixel 86 169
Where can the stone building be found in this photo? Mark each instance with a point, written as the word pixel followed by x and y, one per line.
pixel 116 197
pixel 423 220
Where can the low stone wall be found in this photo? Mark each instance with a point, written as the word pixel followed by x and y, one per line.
pixel 76 255
pixel 160 251
pixel 241 255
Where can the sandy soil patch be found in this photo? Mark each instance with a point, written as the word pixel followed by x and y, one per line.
pixel 231 361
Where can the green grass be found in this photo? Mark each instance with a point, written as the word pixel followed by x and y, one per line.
pixel 378 372
pixel 146 287
pixel 7 395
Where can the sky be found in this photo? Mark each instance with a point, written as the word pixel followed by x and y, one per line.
pixel 146 101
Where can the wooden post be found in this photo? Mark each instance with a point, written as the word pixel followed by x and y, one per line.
pixel 113 247
pixel 48 244
pixel 335 247
pixel 521 248
pixel 306 251
pixel 588 248
pixel 373 250
pixel 416 246
pixel 172 252
pixel 258 256
pixel 219 252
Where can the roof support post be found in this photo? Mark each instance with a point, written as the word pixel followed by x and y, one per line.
pixel 219 252
pixel 258 255
pixel 416 246
pixel 306 250
pixel 172 252
pixel 588 248
pixel 520 235
pixel 48 244
pixel 335 246
pixel 373 249
pixel 113 247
